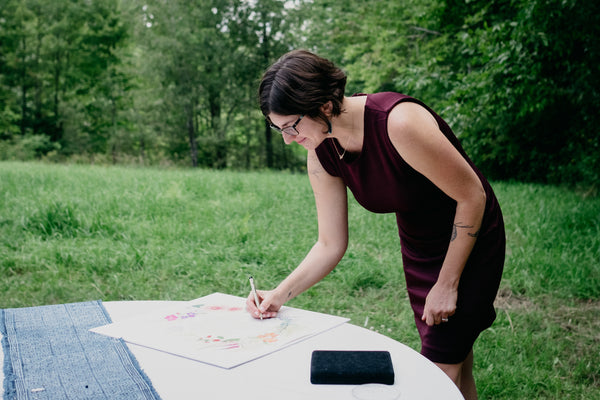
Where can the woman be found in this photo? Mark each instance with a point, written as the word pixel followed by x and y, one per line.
pixel 396 155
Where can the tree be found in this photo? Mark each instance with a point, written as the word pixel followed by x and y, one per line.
pixel 524 87
pixel 175 80
pixel 62 58
pixel 263 30
pixel 210 55
pixel 515 81
pixel 192 60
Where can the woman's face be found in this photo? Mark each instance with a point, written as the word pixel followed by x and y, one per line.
pixel 311 133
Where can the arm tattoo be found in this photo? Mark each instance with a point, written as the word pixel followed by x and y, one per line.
pixel 455 231
pixel 474 235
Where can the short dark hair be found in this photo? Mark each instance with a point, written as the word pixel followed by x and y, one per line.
pixel 300 82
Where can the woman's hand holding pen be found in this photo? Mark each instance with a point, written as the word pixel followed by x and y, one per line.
pixel 269 304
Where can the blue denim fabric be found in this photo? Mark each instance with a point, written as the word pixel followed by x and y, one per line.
pixel 50 354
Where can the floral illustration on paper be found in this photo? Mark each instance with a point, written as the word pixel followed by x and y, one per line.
pixel 217 330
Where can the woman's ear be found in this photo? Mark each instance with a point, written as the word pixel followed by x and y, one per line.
pixel 327 108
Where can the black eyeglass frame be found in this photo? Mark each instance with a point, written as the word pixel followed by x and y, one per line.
pixel 288 130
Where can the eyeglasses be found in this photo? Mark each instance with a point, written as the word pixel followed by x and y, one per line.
pixel 288 130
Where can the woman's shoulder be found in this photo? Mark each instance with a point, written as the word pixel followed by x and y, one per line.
pixel 385 101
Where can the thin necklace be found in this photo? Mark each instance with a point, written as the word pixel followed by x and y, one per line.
pixel 335 145
pixel 336 148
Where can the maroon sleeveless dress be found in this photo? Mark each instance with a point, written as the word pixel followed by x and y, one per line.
pixel 382 182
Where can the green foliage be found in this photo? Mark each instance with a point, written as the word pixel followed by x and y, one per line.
pixel 174 82
pixel 523 111
pixel 206 57
pixel 515 81
pixel 60 61
pixel 28 147
pixel 54 220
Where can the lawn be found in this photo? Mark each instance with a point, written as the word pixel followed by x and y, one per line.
pixel 73 233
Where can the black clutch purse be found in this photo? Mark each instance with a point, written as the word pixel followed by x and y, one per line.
pixel 335 367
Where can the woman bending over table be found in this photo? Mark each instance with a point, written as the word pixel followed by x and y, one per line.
pixel 396 155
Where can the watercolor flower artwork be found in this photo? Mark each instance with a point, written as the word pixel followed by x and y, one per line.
pixel 217 330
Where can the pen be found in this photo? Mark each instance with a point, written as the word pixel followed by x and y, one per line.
pixel 255 295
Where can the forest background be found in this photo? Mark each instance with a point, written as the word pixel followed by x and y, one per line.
pixel 157 82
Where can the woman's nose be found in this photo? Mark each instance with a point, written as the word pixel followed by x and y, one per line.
pixel 288 139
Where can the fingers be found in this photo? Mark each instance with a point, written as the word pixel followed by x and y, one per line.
pixel 251 305
pixel 267 306
pixel 435 319
pixel 265 309
pixel 438 309
pixel 430 320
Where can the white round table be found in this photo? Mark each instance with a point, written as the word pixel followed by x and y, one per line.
pixel 284 374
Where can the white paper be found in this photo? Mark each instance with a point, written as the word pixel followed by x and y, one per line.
pixel 217 329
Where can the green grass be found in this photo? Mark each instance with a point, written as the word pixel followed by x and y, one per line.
pixel 74 233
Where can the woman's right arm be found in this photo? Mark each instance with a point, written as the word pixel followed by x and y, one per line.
pixel 332 216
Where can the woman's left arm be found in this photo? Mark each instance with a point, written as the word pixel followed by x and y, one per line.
pixel 415 134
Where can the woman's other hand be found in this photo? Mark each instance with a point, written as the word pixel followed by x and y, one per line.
pixel 440 304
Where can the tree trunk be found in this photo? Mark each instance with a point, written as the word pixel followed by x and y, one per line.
pixel 113 116
pixel 192 136
pixel 266 58
pixel 269 144
pixel 38 82
pixel 55 107
pixel 23 87
pixel 214 103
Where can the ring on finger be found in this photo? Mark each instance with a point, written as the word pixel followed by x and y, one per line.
pixel 444 319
